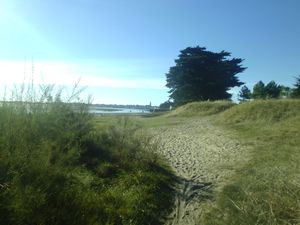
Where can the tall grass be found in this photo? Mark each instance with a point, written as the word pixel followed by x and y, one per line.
pixel 56 168
pixel 267 189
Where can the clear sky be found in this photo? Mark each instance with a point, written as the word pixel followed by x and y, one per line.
pixel 121 50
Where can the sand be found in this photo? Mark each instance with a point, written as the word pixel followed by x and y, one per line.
pixel 203 157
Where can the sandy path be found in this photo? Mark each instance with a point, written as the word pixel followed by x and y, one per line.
pixel 203 157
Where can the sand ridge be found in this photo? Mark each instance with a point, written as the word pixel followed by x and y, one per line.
pixel 203 157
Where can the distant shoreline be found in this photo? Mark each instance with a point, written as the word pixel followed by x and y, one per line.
pixel 100 110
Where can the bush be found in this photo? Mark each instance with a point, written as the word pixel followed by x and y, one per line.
pixel 57 169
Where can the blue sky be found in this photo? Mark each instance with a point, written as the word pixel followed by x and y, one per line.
pixel 121 50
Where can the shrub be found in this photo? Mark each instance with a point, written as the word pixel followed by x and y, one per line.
pixel 57 169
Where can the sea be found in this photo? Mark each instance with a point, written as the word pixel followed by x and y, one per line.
pixel 116 110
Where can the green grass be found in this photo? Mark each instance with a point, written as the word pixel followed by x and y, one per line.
pixel 57 167
pixel 201 108
pixel 265 111
pixel 267 189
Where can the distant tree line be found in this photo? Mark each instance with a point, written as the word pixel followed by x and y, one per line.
pixel 272 90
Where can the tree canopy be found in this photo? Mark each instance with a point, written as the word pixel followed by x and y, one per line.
pixel 296 89
pixel 259 91
pixel 203 75
pixel 272 90
pixel 285 91
pixel 262 91
pixel 244 94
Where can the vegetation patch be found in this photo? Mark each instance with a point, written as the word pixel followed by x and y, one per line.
pixel 262 111
pixel 266 190
pixel 201 108
pixel 57 168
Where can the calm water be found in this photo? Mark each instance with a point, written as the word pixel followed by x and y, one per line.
pixel 115 110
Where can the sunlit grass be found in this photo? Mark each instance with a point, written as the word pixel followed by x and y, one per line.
pixel 58 167
pixel 266 190
pixel 206 108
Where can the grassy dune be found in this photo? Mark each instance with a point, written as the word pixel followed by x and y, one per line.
pixel 201 108
pixel 262 111
pixel 267 189
pixel 58 168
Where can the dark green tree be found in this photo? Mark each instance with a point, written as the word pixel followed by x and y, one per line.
pixel 203 75
pixel 285 92
pixel 259 90
pixel 244 94
pixel 166 105
pixel 272 90
pixel 296 89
